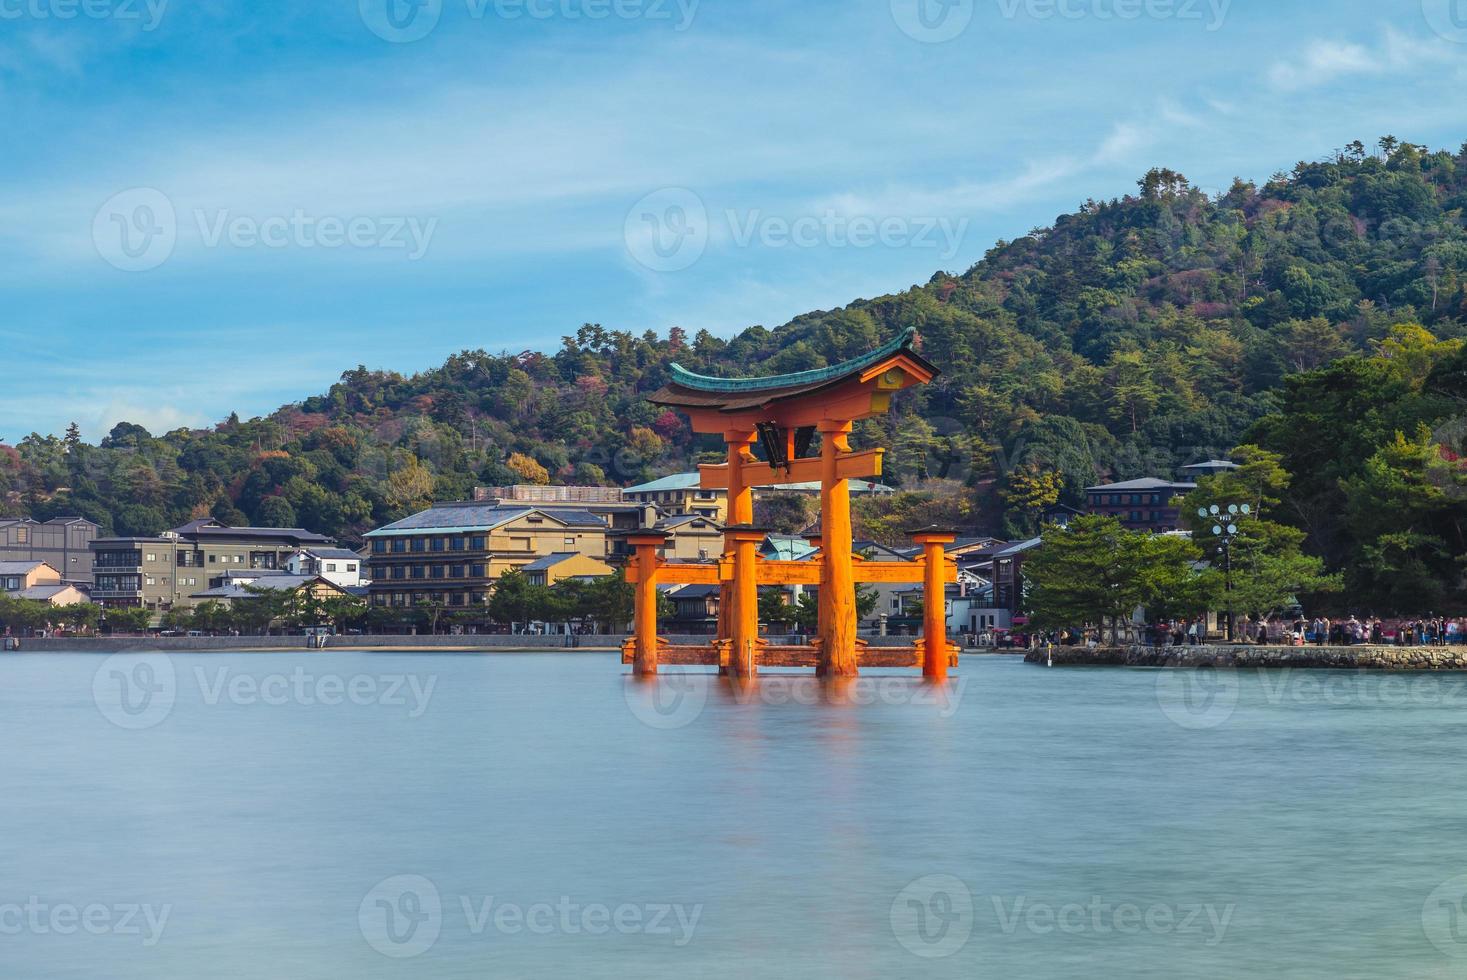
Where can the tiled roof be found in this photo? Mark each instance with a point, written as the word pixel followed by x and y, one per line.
pixel 480 517
pixel 684 378
pixel 677 481
pixel 18 567
pixel 1147 483
pixel 549 561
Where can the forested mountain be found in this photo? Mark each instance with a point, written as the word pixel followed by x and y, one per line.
pixel 1131 337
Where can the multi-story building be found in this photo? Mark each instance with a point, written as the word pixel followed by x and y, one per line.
pixel 452 553
pixel 1141 505
pixel 64 543
pixel 681 493
pixel 621 515
pixel 165 571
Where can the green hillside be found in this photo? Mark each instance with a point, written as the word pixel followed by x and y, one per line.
pixel 1131 337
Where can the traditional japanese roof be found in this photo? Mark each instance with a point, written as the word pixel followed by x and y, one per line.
pixel 21 567
pixel 690 390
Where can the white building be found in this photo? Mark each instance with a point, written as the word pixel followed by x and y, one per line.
pixel 336 565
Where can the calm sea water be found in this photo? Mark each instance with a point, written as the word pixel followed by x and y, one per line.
pixel 378 814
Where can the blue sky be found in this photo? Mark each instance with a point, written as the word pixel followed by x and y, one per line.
pixel 211 206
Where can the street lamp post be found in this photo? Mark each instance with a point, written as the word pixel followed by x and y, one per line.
pixel 1225 529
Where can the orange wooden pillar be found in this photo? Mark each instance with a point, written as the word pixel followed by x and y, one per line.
pixel 837 579
pixel 740 444
pixel 744 617
pixel 934 602
pixel 646 544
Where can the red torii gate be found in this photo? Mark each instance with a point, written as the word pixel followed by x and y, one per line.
pixel 781 414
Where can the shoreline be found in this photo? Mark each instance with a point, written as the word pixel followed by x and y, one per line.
pixel 1362 657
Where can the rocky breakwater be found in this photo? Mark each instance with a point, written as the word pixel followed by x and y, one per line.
pixel 1339 658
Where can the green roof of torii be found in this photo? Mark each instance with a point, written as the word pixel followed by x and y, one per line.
pixel 702 382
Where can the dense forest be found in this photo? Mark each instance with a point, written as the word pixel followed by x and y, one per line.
pixel 1131 337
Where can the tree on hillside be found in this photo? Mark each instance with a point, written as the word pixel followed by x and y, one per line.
pixel 1096 572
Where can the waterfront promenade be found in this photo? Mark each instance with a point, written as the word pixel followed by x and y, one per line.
pixel 1361 657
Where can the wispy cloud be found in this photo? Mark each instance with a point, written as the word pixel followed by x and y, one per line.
pixel 1323 61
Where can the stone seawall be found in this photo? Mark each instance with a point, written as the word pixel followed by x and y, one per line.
pixel 477 641
pixel 1339 658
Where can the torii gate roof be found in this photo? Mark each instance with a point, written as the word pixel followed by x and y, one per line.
pixel 691 391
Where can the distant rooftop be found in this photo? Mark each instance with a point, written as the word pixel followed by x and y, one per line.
pixel 534 494
pixel 1212 465
pixel 207 527
pixel 1146 483
pixel 469 516
pixel 19 567
pixel 677 481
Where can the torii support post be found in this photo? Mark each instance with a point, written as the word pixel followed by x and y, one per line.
pixel 740 444
pixel 838 656
pixel 934 602
pixel 646 544
pixel 744 617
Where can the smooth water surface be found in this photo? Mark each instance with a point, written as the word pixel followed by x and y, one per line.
pixel 464 815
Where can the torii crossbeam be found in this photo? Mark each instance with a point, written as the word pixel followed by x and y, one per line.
pixel 781 414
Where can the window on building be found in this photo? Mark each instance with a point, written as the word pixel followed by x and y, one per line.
pixel 455 544
pixel 351 566
pixel 476 571
pixel 570 542
pixel 476 543
pixel 399 545
pixel 437 544
pixel 150 556
pixel 420 571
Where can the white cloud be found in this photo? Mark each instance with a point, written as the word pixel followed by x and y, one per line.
pixel 1324 61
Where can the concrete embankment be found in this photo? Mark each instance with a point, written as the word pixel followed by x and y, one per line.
pixel 1340 658
pixel 471 642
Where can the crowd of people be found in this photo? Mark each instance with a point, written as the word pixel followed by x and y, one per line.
pixel 1319 631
